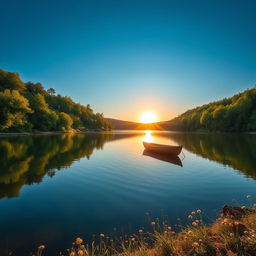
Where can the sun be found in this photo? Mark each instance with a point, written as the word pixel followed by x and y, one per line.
pixel 148 117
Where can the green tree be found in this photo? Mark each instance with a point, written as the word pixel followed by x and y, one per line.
pixel 9 80
pixel 65 122
pixel 13 110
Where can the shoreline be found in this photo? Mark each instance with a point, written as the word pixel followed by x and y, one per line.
pixel 12 134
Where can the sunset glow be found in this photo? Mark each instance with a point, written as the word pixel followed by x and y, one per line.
pixel 148 117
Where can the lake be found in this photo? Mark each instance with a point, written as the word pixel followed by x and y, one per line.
pixel 54 188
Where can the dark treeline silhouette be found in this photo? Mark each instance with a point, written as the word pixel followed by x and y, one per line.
pixel 234 150
pixel 29 107
pixel 27 159
pixel 235 114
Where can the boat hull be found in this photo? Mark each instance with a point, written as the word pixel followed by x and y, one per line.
pixel 163 149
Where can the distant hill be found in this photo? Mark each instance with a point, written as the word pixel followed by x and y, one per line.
pixel 233 114
pixel 128 125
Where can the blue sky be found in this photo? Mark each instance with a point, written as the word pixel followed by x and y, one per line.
pixel 125 56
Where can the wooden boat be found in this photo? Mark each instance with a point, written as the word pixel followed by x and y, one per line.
pixel 163 149
pixel 163 157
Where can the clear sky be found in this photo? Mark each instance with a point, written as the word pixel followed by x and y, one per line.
pixel 127 56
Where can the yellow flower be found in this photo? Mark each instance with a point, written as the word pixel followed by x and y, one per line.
pixel 195 244
pixel 243 207
pixel 190 216
pixel 41 247
pixel 193 213
pixel 194 223
pixel 169 227
pixel 80 253
pixel 189 232
pixel 102 235
pixel 198 211
pixel 72 254
pixel 79 240
pixel 140 231
pixel 153 223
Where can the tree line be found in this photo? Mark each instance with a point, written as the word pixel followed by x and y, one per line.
pixel 27 106
pixel 234 114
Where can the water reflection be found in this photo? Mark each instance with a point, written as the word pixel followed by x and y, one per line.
pixel 234 150
pixel 148 136
pixel 166 158
pixel 26 160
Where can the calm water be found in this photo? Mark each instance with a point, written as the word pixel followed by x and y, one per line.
pixel 55 188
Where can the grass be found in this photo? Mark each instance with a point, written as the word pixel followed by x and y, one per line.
pixel 228 235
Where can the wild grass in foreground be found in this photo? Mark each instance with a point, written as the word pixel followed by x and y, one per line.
pixel 232 234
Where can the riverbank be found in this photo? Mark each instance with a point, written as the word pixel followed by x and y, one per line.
pixel 232 234
pixel 8 134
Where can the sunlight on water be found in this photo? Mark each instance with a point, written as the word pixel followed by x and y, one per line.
pixel 148 136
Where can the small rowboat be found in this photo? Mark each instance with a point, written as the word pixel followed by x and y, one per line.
pixel 163 149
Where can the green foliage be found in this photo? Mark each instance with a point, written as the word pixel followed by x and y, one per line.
pixel 9 80
pixel 65 122
pixel 29 107
pixel 235 114
pixel 13 110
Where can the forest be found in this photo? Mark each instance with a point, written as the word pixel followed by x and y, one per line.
pixel 28 106
pixel 234 114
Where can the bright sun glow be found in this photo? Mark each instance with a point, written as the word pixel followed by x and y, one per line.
pixel 148 117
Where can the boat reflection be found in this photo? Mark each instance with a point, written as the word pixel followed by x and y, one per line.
pixel 163 157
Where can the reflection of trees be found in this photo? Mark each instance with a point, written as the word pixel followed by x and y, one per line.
pixel 235 150
pixel 25 160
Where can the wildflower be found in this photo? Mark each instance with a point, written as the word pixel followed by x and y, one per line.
pixel 194 223
pixel 254 236
pixel 72 254
pixel 189 232
pixel 200 240
pixel 140 231
pixel 41 247
pixel 102 235
pixel 193 213
pixel 231 234
pixel 79 240
pixel 190 216
pixel 195 244
pixel 133 239
pixel 246 232
pixel 165 232
pixel 243 207
pixel 236 223
pixel 198 211
pixel 82 246
pixel 80 253
pixel 169 227
pixel 254 205
pixel 249 196
pixel 153 223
